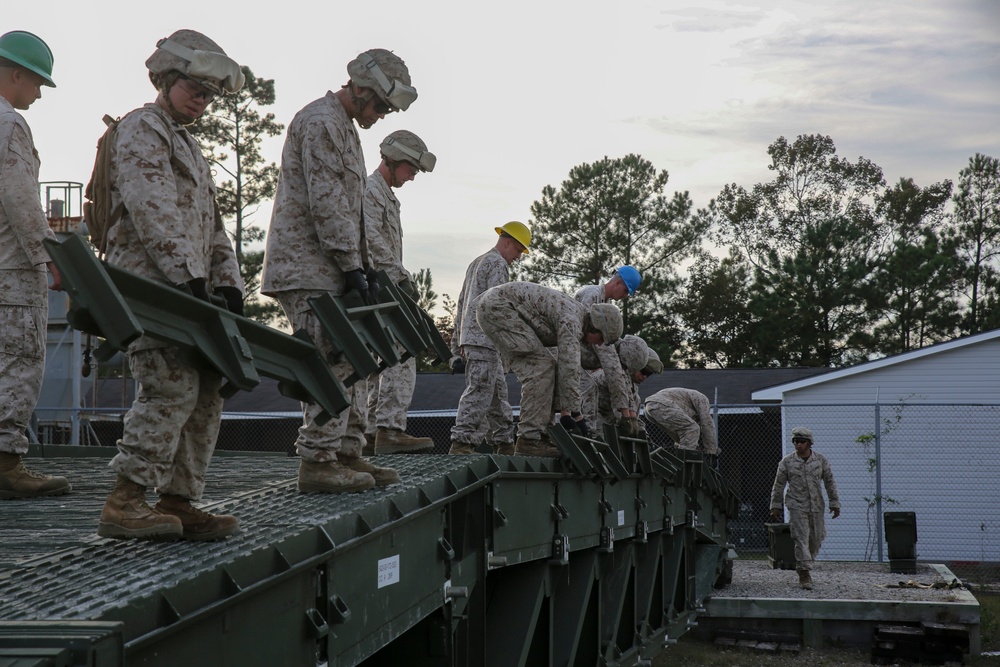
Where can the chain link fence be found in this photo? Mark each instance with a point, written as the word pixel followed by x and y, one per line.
pixel 941 462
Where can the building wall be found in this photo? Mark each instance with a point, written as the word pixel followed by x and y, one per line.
pixel 936 451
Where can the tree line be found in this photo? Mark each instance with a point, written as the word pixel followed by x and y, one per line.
pixel 824 265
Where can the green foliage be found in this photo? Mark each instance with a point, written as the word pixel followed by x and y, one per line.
pixel 916 280
pixel 813 238
pixel 715 310
pixel 609 213
pixel 231 137
pixel 977 235
pixel 876 502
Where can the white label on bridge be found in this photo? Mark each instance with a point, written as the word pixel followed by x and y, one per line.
pixel 388 571
pixel 621 517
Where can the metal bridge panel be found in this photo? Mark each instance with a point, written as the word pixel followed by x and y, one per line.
pixel 530 513
pixel 574 595
pixel 580 518
pixel 385 586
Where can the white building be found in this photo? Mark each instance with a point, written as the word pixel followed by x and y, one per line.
pixel 932 417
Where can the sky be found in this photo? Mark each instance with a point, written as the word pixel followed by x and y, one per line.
pixel 514 95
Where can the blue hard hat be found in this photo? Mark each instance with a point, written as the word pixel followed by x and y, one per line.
pixel 630 277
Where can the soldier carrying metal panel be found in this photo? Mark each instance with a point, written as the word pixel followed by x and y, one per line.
pixel 170 231
pixel 390 392
pixel 316 246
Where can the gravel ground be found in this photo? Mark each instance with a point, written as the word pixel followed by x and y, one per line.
pixel 832 580
pixel 840 581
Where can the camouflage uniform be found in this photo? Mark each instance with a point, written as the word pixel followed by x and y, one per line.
pixel 598 403
pixel 523 319
pixel 317 235
pixel 23 278
pixel 686 416
pixel 483 409
pixel 168 233
pixel 603 357
pixel 389 393
pixel 804 500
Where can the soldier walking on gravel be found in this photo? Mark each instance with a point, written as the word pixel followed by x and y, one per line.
pixel 804 470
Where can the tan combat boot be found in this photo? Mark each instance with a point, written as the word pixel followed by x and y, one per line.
pixel 331 477
pixel 382 476
pixel 369 447
pixel 504 448
pixel 16 481
pixel 541 447
pixel 805 580
pixel 198 524
pixel 393 441
pixel 127 516
pixel 461 448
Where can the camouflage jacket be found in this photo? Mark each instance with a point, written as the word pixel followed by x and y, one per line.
pixel 804 478
pixel 317 223
pixel 23 225
pixel 604 356
pixel 488 270
pixel 383 229
pixel 695 405
pixel 557 320
pixel 169 231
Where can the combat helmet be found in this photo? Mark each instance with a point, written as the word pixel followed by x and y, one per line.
pixel 193 55
pixel 405 146
pixel 386 74
pixel 606 318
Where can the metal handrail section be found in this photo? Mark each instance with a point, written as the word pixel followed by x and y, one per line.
pixel 473 560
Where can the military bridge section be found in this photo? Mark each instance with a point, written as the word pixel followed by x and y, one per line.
pixel 470 560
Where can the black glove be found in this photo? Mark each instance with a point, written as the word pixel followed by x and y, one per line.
pixel 373 286
pixel 777 515
pixel 570 423
pixel 196 287
pixel 409 289
pixel 457 365
pixel 233 297
pixel 356 281
pixel 567 422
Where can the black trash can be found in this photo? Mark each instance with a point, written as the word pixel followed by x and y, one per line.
pixel 901 538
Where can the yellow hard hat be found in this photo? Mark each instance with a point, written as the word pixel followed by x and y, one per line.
pixel 519 231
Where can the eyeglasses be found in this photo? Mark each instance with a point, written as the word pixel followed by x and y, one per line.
pixel 801 441
pixel 196 90
pixel 382 107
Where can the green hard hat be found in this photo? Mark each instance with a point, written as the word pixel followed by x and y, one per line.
pixel 28 51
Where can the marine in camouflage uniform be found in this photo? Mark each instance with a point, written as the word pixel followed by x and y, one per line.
pixel 605 359
pixel 805 472
pixel 483 410
pixel 686 416
pixel 523 319
pixel 25 66
pixel 390 392
pixel 170 232
pixel 316 245
pixel 633 356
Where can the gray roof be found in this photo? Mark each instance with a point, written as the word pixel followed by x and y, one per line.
pixel 441 391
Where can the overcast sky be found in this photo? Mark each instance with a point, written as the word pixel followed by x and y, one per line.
pixel 512 96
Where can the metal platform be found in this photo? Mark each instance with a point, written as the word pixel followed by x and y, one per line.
pixel 475 560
